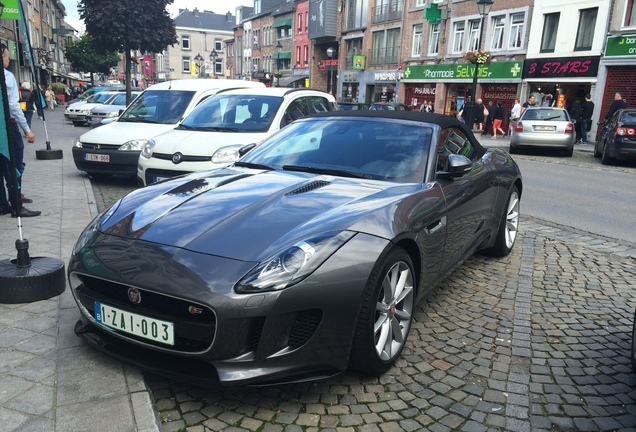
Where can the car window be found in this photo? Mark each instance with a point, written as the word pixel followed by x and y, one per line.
pixel 158 106
pixel 628 117
pixel 453 141
pixel 297 109
pixel 319 103
pixel 234 113
pixel 351 145
pixel 545 114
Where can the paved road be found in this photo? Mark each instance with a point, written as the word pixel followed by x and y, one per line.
pixel 538 341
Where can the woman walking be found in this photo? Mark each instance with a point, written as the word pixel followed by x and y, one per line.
pixel 49 96
pixel 497 120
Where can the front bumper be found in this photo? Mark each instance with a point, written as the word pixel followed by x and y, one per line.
pixel 106 161
pixel 300 333
pixel 154 169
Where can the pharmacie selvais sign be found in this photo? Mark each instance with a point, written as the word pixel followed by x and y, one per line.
pixel 463 71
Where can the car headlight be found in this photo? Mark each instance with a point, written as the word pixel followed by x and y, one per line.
pixel 133 145
pixel 78 143
pixel 85 112
pixel 91 230
pixel 148 148
pixel 293 264
pixel 227 154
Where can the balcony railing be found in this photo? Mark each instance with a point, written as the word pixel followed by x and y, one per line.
pixel 384 56
pixel 388 12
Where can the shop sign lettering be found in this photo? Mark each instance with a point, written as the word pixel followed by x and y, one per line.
pixel 621 46
pixel 424 91
pixel 464 71
pixel 385 76
pixel 561 67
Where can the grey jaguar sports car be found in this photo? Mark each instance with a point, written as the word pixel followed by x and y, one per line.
pixel 303 259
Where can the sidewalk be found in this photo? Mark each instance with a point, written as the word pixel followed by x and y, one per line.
pixel 49 379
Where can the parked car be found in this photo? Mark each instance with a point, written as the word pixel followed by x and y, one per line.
pixel 99 89
pixel 353 106
pixel 389 106
pixel 212 134
pixel 110 110
pixel 77 112
pixel 544 127
pixel 302 259
pixel 114 149
pixel 617 138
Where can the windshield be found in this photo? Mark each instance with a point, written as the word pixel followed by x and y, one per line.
pixel 238 113
pixel 388 149
pixel 158 106
pixel 545 114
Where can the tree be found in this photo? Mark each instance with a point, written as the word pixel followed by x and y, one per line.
pixel 124 26
pixel 84 57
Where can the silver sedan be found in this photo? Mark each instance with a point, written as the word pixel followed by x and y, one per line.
pixel 544 127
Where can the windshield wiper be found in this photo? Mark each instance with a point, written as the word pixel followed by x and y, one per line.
pixel 217 129
pixel 253 165
pixel 551 118
pixel 328 171
pixel 182 126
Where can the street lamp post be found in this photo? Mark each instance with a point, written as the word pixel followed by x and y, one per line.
pixel 199 61
pixel 331 52
pixel 279 48
pixel 213 56
pixel 484 9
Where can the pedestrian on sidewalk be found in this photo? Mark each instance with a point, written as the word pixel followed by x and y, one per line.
pixel 515 113
pixel 586 118
pixel 576 111
pixel 17 121
pixel 497 120
pixel 29 97
pixel 489 119
pixel 617 103
pixel 49 96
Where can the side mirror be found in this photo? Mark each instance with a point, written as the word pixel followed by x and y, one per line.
pixel 456 166
pixel 246 149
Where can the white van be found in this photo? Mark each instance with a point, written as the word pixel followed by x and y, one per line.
pixel 114 149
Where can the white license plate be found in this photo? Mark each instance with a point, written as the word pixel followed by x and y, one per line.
pixel 97 157
pixel 138 325
pixel 545 128
pixel 156 179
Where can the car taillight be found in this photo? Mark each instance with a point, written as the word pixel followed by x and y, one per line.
pixel 519 127
pixel 622 131
pixel 569 128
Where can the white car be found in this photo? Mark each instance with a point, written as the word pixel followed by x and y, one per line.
pixel 212 135
pixel 113 149
pixel 77 112
pixel 110 110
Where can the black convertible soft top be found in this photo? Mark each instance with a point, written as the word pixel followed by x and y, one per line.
pixel 443 121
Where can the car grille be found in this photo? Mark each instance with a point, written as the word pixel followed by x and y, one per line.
pixel 194 332
pixel 304 327
pixel 184 158
pixel 94 146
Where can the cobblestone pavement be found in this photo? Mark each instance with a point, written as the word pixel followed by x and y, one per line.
pixel 537 341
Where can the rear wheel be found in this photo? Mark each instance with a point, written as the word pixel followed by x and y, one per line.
pixel 386 314
pixel 513 150
pixel 605 157
pixel 568 152
pixel 597 154
pixel 508 227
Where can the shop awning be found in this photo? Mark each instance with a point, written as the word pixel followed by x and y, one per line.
pixel 283 23
pixel 283 55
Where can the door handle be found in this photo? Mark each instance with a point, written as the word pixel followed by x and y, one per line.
pixel 436 226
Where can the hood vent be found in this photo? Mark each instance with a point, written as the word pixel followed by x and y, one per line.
pixel 309 187
pixel 232 180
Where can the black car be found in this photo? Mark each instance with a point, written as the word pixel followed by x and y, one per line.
pixel 617 138
pixel 304 258
pixel 348 106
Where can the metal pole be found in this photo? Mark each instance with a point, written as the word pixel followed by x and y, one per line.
pixel 475 75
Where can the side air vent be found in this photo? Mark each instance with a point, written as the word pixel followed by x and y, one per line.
pixel 233 179
pixel 309 187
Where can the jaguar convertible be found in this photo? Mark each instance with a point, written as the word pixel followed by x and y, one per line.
pixel 303 259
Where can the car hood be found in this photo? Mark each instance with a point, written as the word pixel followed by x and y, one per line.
pixel 119 132
pixel 108 108
pixel 199 143
pixel 247 214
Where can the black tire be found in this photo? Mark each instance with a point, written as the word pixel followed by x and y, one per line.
pixel 605 158
pixel 513 150
pixel 597 154
pixel 394 271
pixel 568 152
pixel 78 123
pixel 508 227
pixel 633 351
pixel 43 279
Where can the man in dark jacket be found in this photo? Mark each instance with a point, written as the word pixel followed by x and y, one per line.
pixel 586 118
pixel 617 104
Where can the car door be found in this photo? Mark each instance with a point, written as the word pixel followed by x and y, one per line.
pixel 470 198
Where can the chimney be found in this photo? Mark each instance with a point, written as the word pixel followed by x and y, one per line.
pixel 228 16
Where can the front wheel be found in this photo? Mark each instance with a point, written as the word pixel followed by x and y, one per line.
pixel 605 157
pixel 508 227
pixel 386 314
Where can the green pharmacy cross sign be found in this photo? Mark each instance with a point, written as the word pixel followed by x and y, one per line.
pixel 432 13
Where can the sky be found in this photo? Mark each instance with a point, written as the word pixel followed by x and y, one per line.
pixel 216 6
